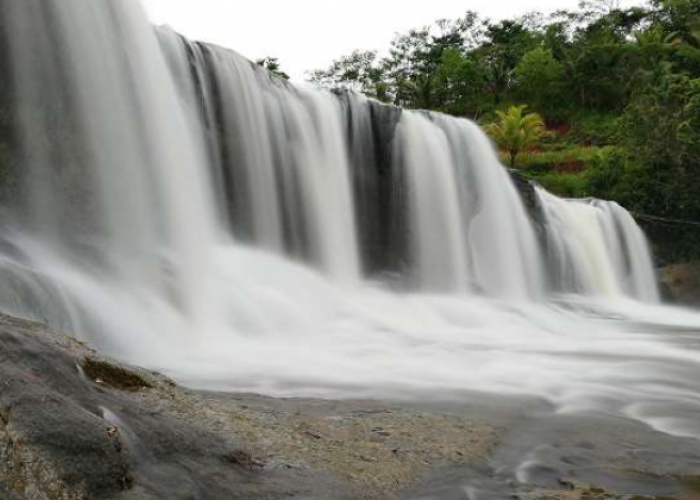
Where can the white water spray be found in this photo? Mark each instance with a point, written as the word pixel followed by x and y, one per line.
pixel 192 214
pixel 596 248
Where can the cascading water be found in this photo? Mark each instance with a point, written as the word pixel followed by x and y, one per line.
pixel 439 242
pixel 596 248
pixel 280 154
pixel 180 208
pixel 108 156
pixel 506 259
pixel 468 223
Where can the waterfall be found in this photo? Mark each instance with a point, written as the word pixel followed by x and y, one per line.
pixel 505 255
pixel 280 153
pixel 468 223
pixel 439 243
pixel 178 206
pixel 596 248
pixel 115 173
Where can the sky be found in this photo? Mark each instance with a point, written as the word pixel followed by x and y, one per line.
pixel 310 34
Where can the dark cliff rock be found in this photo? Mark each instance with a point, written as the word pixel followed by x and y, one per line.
pixel 681 284
pixel 526 188
pixel 378 184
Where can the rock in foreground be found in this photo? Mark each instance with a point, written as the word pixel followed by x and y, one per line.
pixel 76 426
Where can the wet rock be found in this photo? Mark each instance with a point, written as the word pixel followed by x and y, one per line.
pixel 380 449
pixel 75 425
pixel 134 436
pixel 243 459
pixel 526 188
pixel 111 375
pixel 681 283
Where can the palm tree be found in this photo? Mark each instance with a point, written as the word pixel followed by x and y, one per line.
pixel 515 131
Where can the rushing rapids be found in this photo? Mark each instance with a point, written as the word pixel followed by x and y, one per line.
pixel 174 205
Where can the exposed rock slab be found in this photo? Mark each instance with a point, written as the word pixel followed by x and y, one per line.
pixel 381 448
pixel 77 426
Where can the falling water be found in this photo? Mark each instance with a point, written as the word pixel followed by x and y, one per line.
pixel 596 248
pixel 505 255
pixel 179 207
pixel 439 243
pixel 109 151
pixel 280 154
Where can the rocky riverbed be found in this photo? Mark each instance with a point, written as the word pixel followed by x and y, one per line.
pixel 77 426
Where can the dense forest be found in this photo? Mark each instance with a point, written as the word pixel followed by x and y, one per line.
pixel 618 91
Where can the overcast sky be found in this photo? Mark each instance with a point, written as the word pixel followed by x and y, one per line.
pixel 309 34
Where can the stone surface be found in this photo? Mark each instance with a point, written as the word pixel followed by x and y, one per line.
pixel 382 448
pixel 682 283
pixel 65 436
pixel 77 426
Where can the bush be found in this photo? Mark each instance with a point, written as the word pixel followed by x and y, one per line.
pixel 540 82
pixel 516 131
pixel 564 185
pixel 610 175
pixel 594 129
pixel 554 157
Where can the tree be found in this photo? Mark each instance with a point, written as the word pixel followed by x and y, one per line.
pixel 661 132
pixel 505 43
pixel 680 19
pixel 661 128
pixel 360 71
pixel 459 85
pixel 273 65
pixel 539 81
pixel 416 57
pixel 600 7
pixel 516 131
pixel 409 67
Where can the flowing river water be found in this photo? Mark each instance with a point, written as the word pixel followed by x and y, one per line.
pixel 175 206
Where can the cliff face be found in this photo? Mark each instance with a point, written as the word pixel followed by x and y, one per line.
pixel 526 188
pixel 682 284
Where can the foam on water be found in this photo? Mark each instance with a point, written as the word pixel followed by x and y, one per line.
pixel 184 211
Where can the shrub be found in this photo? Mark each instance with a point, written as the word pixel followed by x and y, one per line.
pixel 594 129
pixel 516 131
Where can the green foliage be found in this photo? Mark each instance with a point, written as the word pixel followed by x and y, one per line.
pixel 662 132
pixel 588 177
pixel 272 64
pixel 506 42
pixel 359 71
pixel 458 85
pixel 618 87
pixel 539 81
pixel 595 129
pixel 516 131
pixel 559 158
pixel 564 185
pixel 574 63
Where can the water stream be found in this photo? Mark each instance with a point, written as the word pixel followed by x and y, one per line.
pixel 179 208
